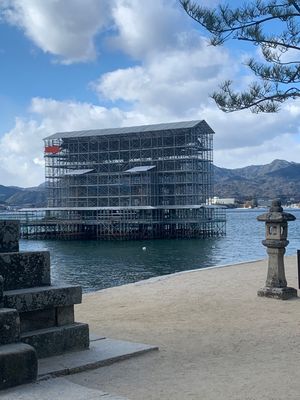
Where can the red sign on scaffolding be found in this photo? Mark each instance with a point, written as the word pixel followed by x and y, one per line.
pixel 52 149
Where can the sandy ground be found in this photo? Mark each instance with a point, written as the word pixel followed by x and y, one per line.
pixel 217 339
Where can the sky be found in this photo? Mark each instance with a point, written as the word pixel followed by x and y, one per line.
pixel 85 64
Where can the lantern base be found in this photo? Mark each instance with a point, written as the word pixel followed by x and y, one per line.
pixel 278 293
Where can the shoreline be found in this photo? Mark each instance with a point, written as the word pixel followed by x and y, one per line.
pixel 157 278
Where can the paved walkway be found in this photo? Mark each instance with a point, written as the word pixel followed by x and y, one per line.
pixel 217 339
pixel 56 389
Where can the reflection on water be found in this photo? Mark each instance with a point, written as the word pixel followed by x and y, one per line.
pixel 96 265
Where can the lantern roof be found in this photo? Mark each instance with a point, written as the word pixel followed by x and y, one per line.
pixel 276 214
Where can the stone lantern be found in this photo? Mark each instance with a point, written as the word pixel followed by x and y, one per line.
pixel 276 221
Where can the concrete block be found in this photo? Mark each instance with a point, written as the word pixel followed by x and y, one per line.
pixel 42 297
pixel 9 236
pixel 9 326
pixel 25 269
pixel 39 319
pixel 64 315
pixel 57 340
pixel 18 365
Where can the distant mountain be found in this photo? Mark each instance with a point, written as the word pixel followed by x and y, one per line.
pixel 278 179
pixel 20 197
pixel 7 191
pixel 33 197
pixel 257 171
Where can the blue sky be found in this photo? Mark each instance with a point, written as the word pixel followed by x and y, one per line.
pixel 28 72
pixel 73 64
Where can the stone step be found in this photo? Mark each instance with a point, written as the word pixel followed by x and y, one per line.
pixel 18 365
pixel 25 269
pixel 42 297
pixel 102 352
pixel 47 318
pixel 57 340
pixel 9 326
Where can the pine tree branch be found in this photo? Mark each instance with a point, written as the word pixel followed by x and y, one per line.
pixel 285 63
pixel 229 101
pixel 255 22
pixel 270 42
pixel 195 12
pixel 294 3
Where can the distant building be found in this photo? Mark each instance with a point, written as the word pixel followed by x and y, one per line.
pixel 229 201
pixel 139 182
pixel 264 203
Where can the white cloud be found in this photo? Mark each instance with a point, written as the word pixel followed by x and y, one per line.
pixel 65 28
pixel 70 115
pixel 68 28
pixel 282 147
pixel 243 138
pixel 171 83
pixel 242 128
pixel 148 27
pixel 21 149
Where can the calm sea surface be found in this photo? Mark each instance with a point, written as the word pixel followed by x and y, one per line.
pixel 96 265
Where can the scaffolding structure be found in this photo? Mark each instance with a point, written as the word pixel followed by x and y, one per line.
pixel 141 182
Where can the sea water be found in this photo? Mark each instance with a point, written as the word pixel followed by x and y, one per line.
pixel 96 265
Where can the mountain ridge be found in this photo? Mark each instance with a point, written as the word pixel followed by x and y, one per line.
pixel 279 178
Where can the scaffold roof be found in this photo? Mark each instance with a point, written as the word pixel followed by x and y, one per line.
pixel 142 168
pixel 78 172
pixel 131 129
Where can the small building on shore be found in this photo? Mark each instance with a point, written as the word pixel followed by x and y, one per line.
pixel 228 201
pixel 140 182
